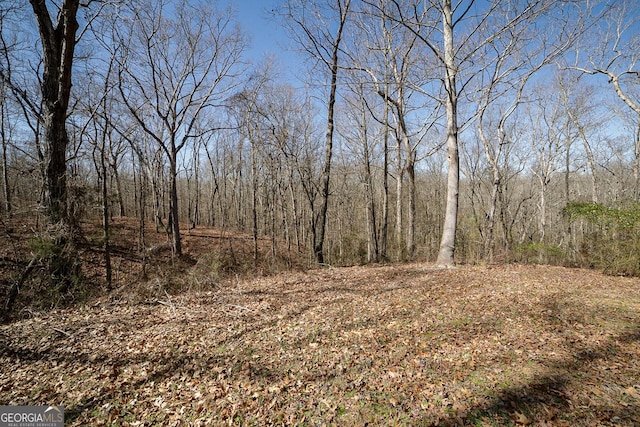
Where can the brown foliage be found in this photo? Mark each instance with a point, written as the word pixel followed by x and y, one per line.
pixel 378 345
pixel 210 257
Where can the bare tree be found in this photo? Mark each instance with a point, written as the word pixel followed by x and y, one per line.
pixel 172 70
pixel 6 133
pixel 58 45
pixel 58 42
pixel 387 54
pixel 359 134
pixel 584 121
pixel 613 50
pixel 5 126
pixel 20 72
pixel 319 32
pixel 456 34
pixel 506 64
pixel 549 128
pixel 96 104
pixel 447 55
pixel 288 118
pixel 246 112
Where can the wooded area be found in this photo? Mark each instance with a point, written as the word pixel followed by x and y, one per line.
pixel 448 132
pixel 173 212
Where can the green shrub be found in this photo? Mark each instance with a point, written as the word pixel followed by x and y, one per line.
pixel 540 253
pixel 611 240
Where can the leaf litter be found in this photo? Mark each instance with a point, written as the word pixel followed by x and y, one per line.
pixel 371 345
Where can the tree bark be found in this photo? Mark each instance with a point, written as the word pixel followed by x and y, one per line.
pixel 447 243
pixel 105 214
pixel 176 239
pixel 399 196
pixel 116 176
pixel 319 237
pixel 384 229
pixel 58 45
pixel 411 228
pixel 5 162
pixel 373 247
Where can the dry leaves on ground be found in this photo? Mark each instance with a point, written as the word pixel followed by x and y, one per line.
pixel 378 345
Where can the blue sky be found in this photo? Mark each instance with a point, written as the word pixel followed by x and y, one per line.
pixel 266 34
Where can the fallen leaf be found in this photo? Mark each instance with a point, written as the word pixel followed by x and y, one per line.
pixel 521 418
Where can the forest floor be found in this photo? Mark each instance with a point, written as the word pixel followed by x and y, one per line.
pixel 401 344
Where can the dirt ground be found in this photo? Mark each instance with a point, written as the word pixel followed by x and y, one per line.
pixel 388 345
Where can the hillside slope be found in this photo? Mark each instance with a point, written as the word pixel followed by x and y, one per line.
pixel 380 345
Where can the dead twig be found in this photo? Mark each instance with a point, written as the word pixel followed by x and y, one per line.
pixel 168 304
pixel 62 332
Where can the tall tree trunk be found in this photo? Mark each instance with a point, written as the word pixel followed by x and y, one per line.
pixel 318 244
pixel 214 187
pixel 105 214
pixel 297 221
pixel 447 244
pixel 399 196
pixel 491 217
pixel 372 227
pixel 116 176
pixel 142 209
pixel 58 45
pixel 567 197
pixel 411 229
pixel 319 237
pixel 195 220
pixel 254 200
pixel 5 162
pixel 384 229
pixel 174 223
pixel 567 174
pixel 543 207
pixel 158 213
pixel 282 195
pixel 57 140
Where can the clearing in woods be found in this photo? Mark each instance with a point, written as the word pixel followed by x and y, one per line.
pixel 374 345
